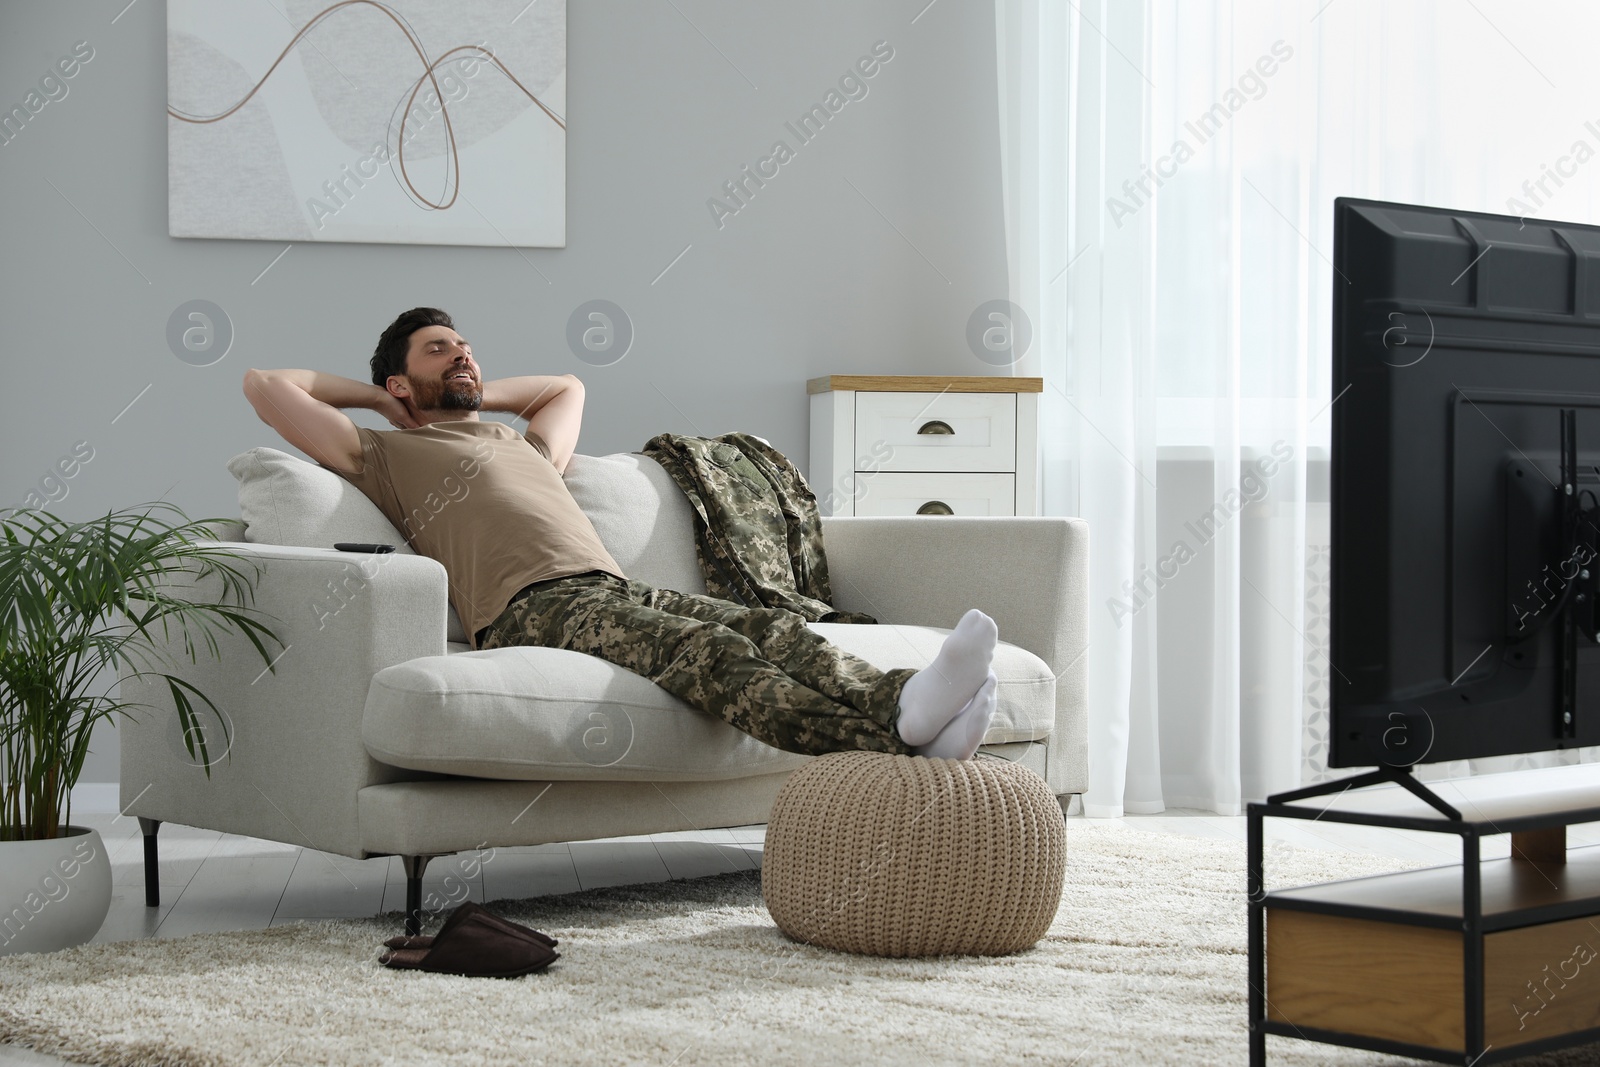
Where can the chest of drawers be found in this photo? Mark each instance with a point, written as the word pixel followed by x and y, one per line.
pixel 925 445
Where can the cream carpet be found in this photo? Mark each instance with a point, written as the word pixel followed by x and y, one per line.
pixel 1144 964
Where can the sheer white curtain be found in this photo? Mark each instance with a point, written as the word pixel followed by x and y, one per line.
pixel 1169 173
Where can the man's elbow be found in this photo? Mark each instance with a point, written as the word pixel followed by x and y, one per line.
pixel 254 380
pixel 256 383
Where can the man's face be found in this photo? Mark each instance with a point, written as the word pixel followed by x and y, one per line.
pixel 441 372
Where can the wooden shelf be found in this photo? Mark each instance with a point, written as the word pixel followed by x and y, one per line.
pixel 1515 893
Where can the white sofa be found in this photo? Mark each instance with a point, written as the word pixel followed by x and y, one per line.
pixel 377 732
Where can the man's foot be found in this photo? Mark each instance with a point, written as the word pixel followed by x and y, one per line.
pixel 937 693
pixel 963 734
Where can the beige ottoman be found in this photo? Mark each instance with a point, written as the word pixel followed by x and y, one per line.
pixel 910 856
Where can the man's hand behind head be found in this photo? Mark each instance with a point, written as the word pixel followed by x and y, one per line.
pixel 398 412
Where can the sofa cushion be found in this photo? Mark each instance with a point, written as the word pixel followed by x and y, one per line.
pixel 285 500
pixel 642 517
pixel 549 714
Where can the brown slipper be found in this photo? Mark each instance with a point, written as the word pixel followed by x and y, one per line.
pixel 475 948
pixel 425 941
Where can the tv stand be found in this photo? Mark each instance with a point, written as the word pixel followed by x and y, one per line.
pixel 1473 963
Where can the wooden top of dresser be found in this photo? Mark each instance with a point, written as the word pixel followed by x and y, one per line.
pixel 924 383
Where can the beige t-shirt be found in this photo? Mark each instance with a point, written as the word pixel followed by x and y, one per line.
pixel 486 502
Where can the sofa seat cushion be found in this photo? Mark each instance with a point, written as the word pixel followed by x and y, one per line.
pixel 543 714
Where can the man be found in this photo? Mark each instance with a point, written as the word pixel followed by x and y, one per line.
pixel 526 567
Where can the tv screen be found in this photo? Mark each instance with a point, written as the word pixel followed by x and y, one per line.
pixel 1465 494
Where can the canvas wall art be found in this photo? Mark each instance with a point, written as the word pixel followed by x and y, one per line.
pixel 359 120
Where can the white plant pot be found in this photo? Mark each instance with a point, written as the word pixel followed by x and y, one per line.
pixel 53 893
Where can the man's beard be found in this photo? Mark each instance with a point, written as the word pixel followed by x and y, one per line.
pixel 445 395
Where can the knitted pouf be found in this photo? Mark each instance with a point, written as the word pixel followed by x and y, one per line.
pixel 910 856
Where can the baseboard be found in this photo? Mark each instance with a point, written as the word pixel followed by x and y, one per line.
pixel 96 797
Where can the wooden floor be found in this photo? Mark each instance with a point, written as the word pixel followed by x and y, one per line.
pixel 212 881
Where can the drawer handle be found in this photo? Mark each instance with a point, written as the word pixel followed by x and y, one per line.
pixel 935 426
pixel 935 507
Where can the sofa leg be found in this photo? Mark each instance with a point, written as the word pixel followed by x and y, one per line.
pixel 415 865
pixel 152 863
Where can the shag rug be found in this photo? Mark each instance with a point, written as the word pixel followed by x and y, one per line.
pixel 1144 964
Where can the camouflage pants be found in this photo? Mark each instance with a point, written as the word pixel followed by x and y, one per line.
pixel 760 669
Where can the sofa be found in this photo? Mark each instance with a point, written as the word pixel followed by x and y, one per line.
pixel 377 731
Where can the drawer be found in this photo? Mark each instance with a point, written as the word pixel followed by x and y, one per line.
pixel 938 431
pixel 1405 983
pixel 891 493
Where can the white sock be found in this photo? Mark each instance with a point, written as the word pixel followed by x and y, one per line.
pixel 963 734
pixel 937 693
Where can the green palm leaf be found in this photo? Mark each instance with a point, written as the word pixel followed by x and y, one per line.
pixel 118 593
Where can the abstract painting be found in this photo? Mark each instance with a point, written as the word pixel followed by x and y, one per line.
pixel 401 121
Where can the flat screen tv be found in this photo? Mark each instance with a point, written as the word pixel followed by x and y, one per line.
pixel 1465 492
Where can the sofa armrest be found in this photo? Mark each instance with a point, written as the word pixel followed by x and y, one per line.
pixel 295 761
pixel 1028 573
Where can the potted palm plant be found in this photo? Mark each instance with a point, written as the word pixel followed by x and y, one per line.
pixel 81 601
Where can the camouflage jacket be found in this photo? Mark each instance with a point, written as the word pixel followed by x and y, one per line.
pixel 757 533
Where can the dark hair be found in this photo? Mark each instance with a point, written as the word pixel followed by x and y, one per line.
pixel 390 355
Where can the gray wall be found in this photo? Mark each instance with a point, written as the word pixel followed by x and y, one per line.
pixel 812 277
